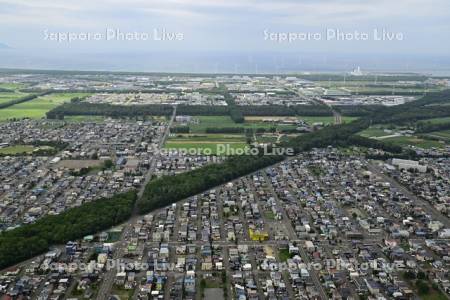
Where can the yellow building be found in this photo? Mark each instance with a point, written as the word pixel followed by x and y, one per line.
pixel 256 235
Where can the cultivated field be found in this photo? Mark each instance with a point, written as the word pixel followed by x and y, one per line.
pixel 8 96
pixel 37 108
pixel 415 141
pixel 212 142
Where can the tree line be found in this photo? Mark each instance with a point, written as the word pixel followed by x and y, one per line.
pixel 356 110
pixel 21 100
pixel 170 189
pixel 104 109
pixel 236 112
pixel 282 110
pixel 33 239
pixel 425 127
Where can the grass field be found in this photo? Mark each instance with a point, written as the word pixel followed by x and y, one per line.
pixel 76 119
pixel 8 96
pixel 373 132
pixel 12 86
pixel 225 122
pixel 36 108
pixel 208 137
pixel 212 143
pixel 256 122
pixel 208 148
pixel 414 141
pixel 11 150
pixel 283 255
pixel 437 120
pixel 444 134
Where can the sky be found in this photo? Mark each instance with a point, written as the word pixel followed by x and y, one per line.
pixel 403 34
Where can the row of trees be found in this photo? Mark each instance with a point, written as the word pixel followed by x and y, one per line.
pixel 180 129
pixel 103 109
pixel 21 100
pixel 170 189
pixel 428 107
pixel 425 127
pixel 202 110
pixel 356 110
pixel 225 130
pixel 235 110
pixel 33 239
pixel 282 110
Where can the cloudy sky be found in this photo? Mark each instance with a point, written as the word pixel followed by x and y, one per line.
pixel 410 28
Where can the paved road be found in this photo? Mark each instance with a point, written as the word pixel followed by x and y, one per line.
pixel 108 279
pixel 337 116
pixel 293 236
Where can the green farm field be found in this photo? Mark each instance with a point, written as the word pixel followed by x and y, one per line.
pixel 206 141
pixel 12 86
pixel 37 108
pixel 415 141
pixel 8 96
pixel 226 122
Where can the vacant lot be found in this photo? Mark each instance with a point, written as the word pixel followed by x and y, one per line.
pixel 79 163
pixel 76 119
pixel 16 149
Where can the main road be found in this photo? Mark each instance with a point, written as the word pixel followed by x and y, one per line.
pixel 108 278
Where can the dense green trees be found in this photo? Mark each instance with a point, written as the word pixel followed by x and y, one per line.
pixel 103 109
pixel 225 130
pixel 356 110
pixel 281 110
pixel 180 129
pixel 235 111
pixel 426 107
pixel 30 240
pixel 202 110
pixel 169 189
pixel 425 127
